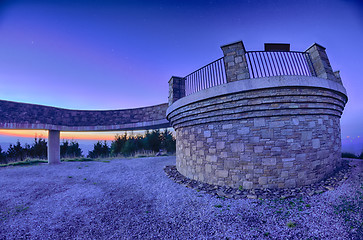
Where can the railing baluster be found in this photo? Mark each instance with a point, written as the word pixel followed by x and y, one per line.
pixel 273 62
pixel 269 68
pixel 293 65
pixel 303 64
pixel 248 55
pixel 299 64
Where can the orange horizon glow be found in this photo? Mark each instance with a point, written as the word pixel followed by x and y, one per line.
pixel 63 135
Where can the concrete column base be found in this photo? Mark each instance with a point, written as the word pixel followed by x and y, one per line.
pixel 53 147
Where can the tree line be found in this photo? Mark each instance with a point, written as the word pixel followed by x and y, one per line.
pixel 38 150
pixel 122 145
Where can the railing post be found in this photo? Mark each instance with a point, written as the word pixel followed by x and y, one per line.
pixel 176 89
pixel 321 63
pixel 235 61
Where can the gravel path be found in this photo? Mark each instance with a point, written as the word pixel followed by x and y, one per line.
pixel 134 199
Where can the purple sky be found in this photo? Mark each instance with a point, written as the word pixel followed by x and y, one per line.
pixel 121 54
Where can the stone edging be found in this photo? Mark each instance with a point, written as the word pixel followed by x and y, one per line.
pixel 328 184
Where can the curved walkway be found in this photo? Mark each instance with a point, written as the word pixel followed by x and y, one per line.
pixel 15 115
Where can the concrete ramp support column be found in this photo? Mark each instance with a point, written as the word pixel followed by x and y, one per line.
pixel 53 147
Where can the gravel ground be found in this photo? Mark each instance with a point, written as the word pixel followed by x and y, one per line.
pixel 134 199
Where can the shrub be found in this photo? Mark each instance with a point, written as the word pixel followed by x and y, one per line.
pixel 348 155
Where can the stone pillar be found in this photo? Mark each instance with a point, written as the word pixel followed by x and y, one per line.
pixel 176 89
pixel 321 63
pixel 235 61
pixel 53 147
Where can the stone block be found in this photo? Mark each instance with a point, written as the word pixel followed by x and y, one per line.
pixel 237 147
pixel 224 155
pixel 207 134
pixel 316 143
pixel 312 124
pixel 247 185
pixel 254 139
pixel 229 164
pixel 262 180
pixel 267 133
pixel 295 146
pixel 275 124
pixel 227 126
pixel 222 173
pixel 269 161
pixel 259 122
pixel 208 168
pixel 286 132
pixel 238 59
pixel 290 183
pixel 276 149
pixel 306 135
pixel 284 174
pixel 288 164
pixel 199 144
pixel 258 149
pixel 222 134
pixel 211 158
pixel 301 157
pixel 295 121
pixel 187 152
pixel 243 130
pixel 220 145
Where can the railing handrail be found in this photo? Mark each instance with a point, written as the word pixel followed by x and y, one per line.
pixel 210 75
pixel 259 63
pixel 276 51
pixel 203 67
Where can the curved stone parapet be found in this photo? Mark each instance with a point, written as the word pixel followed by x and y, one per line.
pixel 15 115
pixel 275 132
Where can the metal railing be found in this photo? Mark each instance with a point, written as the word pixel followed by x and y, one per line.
pixel 266 64
pixel 208 76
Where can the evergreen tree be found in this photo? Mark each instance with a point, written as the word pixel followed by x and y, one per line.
pixel 168 141
pixel 154 140
pixel 118 144
pixel 99 150
pixel 15 152
pixel 39 148
pixel 70 149
pixel 2 156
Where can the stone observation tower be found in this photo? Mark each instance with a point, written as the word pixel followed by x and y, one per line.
pixel 259 119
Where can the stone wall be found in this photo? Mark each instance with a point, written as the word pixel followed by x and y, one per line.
pixel 277 137
pixel 14 115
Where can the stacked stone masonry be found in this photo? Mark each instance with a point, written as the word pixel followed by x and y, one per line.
pixel 14 115
pixel 235 61
pixel 268 138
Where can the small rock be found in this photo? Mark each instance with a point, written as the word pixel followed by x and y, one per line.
pixel 250 196
pixel 221 193
pixel 229 195
pixel 330 188
pixel 318 191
